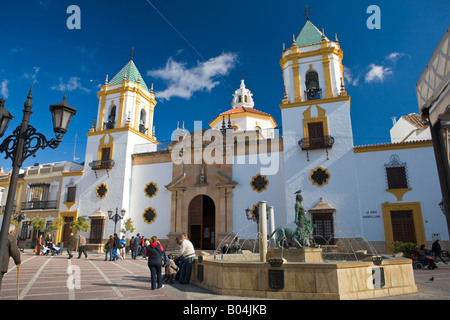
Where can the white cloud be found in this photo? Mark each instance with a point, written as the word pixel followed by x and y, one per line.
pixel 350 78
pixel 377 73
pixel 33 75
pixel 4 92
pixel 71 85
pixel 184 82
pixel 394 56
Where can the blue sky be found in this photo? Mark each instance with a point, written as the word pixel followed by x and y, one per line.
pixel 195 52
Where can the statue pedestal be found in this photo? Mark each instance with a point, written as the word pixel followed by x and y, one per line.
pixel 311 255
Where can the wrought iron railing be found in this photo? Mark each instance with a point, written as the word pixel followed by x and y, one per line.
pixel 39 205
pixel 325 142
pixel 313 94
pixel 101 164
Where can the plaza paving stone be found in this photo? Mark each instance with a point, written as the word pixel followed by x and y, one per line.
pixel 46 278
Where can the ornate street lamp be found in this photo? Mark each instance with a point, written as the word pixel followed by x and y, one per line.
pixel 5 118
pixel 25 142
pixel 116 217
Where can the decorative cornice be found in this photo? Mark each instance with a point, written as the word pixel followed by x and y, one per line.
pixel 393 146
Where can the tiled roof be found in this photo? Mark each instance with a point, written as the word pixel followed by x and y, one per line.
pixel 394 145
pixel 244 109
pixel 309 35
pixel 415 120
pixel 132 75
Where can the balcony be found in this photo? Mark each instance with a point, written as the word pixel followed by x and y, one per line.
pixel 101 164
pixel 325 142
pixel 39 205
pixel 313 94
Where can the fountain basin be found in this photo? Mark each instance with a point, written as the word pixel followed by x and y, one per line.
pixel 305 280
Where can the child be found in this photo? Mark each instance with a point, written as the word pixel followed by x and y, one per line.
pixel 171 269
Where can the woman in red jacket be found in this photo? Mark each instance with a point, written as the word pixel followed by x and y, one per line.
pixel 154 253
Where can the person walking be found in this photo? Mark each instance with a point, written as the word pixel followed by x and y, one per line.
pixel 123 244
pixel 109 247
pixel 71 244
pixel 188 252
pixel 154 252
pixel 39 245
pixel 436 248
pixel 116 247
pixel 12 251
pixel 137 245
pixel 81 246
pixel 132 248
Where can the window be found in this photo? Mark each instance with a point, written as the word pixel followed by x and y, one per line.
pixel 313 90
pixel 396 173
pixel 39 192
pixel 142 128
pixel 110 124
pixel 396 178
pixel 312 81
pixel 71 193
pixel 315 132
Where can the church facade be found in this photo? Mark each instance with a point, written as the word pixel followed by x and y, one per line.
pixel 203 182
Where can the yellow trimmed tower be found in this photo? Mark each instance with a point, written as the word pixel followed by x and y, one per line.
pixel 317 131
pixel 124 123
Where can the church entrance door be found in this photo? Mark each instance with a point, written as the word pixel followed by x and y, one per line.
pixel 201 222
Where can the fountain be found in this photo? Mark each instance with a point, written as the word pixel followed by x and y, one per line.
pixel 301 272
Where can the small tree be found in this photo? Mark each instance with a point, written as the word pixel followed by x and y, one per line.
pixel 128 227
pixel 81 224
pixel 56 224
pixel 38 223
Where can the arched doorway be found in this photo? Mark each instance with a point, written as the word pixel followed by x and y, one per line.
pixel 201 222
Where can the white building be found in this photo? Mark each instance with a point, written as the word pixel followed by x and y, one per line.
pixel 203 182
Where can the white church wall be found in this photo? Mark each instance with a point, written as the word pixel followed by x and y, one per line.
pixel 161 175
pixel 245 197
pixel 421 179
pixel 341 191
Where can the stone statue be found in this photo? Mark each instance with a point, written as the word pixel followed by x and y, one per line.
pixel 287 234
pixel 300 236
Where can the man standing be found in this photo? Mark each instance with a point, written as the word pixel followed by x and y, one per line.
pixel 11 251
pixel 188 252
pixel 137 245
pixel 82 246
pixel 70 244
pixel 436 248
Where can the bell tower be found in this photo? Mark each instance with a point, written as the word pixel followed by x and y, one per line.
pixel 126 102
pixel 312 66
pixel 317 128
pixel 124 122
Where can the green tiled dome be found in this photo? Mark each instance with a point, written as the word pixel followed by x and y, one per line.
pixel 132 74
pixel 309 35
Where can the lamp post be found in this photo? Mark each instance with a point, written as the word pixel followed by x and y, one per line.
pixel 116 217
pixel 25 142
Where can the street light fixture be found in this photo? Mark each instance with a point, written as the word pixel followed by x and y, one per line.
pixel 116 217
pixel 5 118
pixel 23 143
